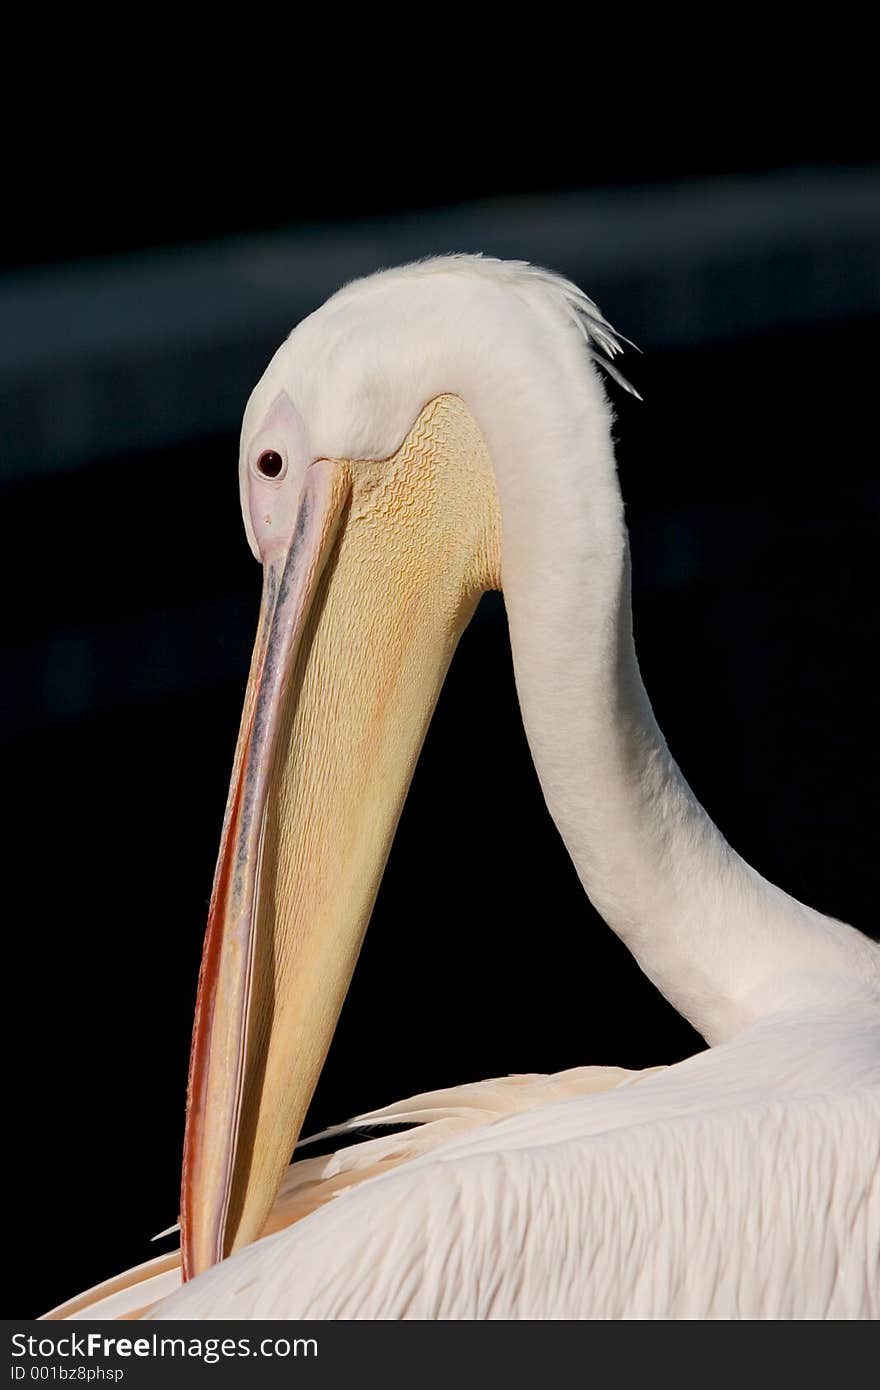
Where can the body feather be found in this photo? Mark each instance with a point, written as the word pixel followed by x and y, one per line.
pixel 436 1116
pixel 742 1183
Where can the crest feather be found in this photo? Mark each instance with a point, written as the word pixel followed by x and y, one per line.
pixel 602 340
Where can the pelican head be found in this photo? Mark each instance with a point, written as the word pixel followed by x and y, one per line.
pixel 371 499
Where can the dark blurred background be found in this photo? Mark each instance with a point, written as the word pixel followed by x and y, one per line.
pixel 140 300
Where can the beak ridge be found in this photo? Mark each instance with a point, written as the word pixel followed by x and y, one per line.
pixel 218 1055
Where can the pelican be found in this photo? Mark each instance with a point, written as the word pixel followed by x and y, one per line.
pixel 430 433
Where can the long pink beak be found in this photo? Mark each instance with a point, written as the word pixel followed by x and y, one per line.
pixel 219 1055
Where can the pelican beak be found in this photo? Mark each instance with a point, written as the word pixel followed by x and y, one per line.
pixel 362 609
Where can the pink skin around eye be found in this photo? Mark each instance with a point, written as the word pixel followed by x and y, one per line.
pixel 274 502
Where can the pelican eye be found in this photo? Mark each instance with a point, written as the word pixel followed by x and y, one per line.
pixel 270 464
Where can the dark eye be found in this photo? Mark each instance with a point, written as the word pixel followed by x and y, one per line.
pixel 270 464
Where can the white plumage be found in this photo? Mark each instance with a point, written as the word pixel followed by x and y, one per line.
pixel 740 1183
pixel 743 1183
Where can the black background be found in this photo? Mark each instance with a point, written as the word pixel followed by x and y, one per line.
pixel 752 499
